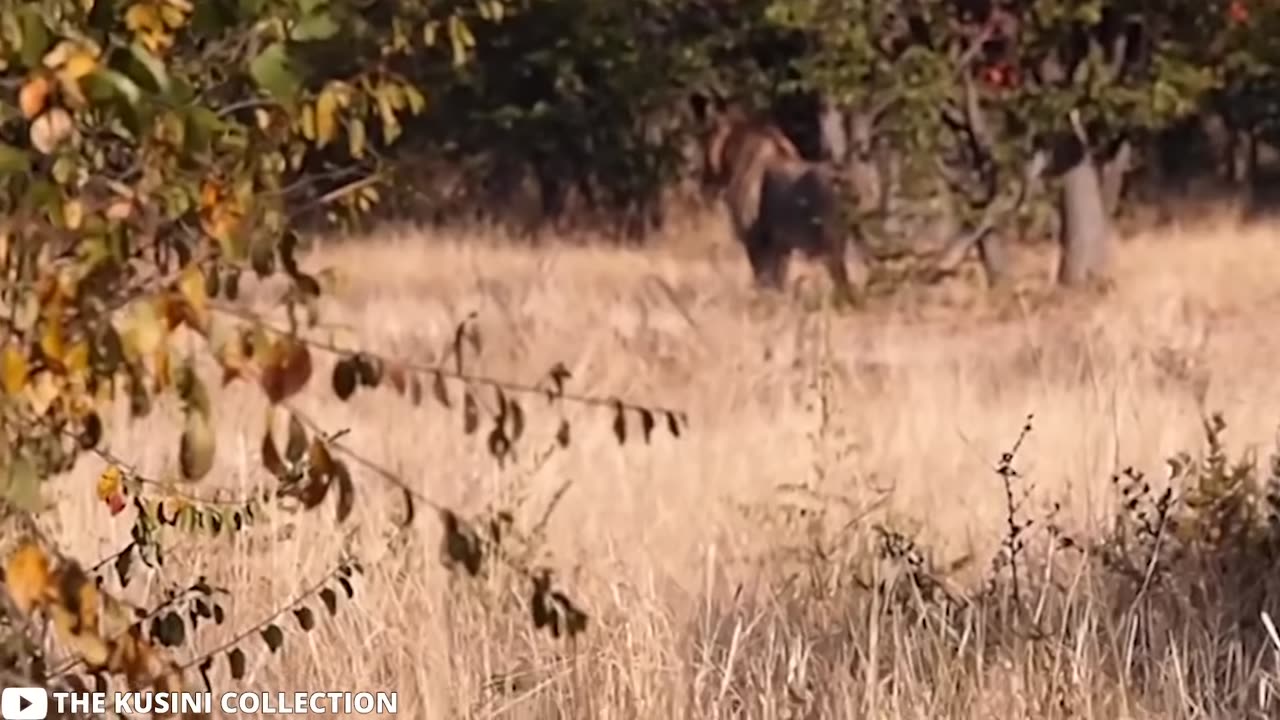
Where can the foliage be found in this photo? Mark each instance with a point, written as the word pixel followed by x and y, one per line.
pixel 152 153
pixel 1249 69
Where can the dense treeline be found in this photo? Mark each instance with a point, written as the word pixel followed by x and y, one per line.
pixel 572 107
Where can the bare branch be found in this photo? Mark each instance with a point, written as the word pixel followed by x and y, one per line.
pixel 990 220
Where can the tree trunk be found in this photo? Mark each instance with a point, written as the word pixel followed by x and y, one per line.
pixel 1243 157
pixel 833 137
pixel 1085 231
pixel 995 258
pixel 1113 173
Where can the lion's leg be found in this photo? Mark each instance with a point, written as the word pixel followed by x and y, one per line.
pixel 840 278
pixel 779 265
pixel 833 257
pixel 768 259
pixel 834 245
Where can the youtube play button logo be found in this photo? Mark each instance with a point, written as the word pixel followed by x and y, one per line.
pixel 24 704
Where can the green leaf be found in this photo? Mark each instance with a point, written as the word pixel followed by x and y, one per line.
pixel 273 72
pixel 14 160
pixel 35 37
pixel 116 82
pixel 319 26
pixel 153 65
pixel 21 485
pixel 202 124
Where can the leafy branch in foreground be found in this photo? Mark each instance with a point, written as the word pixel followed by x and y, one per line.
pixel 152 156
pixel 269 630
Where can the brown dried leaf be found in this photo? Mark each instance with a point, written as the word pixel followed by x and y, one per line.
pixel 346 490
pixel 399 378
pixel 673 424
pixel 441 392
pixel 344 378
pixel 320 463
pixel 314 492
pixel 285 370
pixel 330 600
pixel 297 443
pixel 273 636
pixel 470 413
pixel 368 369
pixel 306 619
pixel 646 423
pixel 235 661
pixel 620 423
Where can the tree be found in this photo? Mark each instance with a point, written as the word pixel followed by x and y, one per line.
pixel 153 152
pixel 981 92
pixel 1246 98
pixel 1087 80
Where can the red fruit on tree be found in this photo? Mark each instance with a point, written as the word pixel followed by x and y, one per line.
pixel 1238 12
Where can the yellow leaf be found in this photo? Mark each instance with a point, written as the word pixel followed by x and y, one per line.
pixel 162 368
pixel 51 342
pixel 194 290
pixel 27 576
pixel 79 64
pixel 390 123
pixel 110 482
pixel 73 214
pixel 210 191
pixel 417 101
pixel 157 42
pixel 88 603
pixel 308 121
pixel 145 329
pixel 76 359
pixel 86 645
pixel 14 370
pixel 142 17
pixel 356 137
pixel 326 117
pixel 173 17
pixel 32 96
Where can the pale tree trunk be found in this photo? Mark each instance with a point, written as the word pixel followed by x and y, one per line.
pixel 1113 172
pixel 995 258
pixel 1085 233
pixel 1242 156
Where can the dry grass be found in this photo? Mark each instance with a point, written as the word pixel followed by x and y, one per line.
pixel 705 596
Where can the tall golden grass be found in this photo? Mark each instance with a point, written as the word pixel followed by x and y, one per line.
pixel 706 594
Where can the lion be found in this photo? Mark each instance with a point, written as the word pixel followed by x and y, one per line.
pixel 777 201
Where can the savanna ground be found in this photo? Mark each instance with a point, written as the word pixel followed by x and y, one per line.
pixel 710 593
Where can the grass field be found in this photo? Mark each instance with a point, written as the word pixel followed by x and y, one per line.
pixel 710 593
